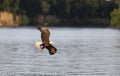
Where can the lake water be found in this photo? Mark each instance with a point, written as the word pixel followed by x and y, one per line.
pixel 81 52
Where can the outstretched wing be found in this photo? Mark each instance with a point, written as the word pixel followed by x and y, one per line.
pixel 52 50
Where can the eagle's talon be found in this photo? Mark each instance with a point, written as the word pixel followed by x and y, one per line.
pixel 42 46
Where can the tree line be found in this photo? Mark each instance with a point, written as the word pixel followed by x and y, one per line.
pixel 79 13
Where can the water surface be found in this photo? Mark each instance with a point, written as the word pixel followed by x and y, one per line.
pixel 81 52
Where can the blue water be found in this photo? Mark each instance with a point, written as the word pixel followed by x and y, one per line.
pixel 81 52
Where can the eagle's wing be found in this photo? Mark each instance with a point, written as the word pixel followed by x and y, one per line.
pixel 52 50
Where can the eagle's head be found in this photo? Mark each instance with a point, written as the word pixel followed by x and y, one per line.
pixel 42 26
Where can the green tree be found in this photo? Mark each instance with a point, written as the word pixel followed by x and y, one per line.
pixel 9 5
pixel 115 16
pixel 45 6
pixel 14 6
pixel 24 20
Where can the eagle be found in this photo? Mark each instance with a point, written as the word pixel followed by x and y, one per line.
pixel 45 36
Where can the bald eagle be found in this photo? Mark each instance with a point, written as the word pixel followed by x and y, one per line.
pixel 45 34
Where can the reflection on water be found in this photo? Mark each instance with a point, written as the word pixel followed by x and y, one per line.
pixel 81 52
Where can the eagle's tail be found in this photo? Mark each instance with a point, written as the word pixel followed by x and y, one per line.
pixel 52 50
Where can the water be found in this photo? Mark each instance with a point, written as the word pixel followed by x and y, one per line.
pixel 81 52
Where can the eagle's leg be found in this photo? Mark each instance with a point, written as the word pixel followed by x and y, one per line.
pixel 42 46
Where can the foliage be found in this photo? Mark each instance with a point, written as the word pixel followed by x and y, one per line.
pixel 24 20
pixel 115 16
pixel 9 5
pixel 74 12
